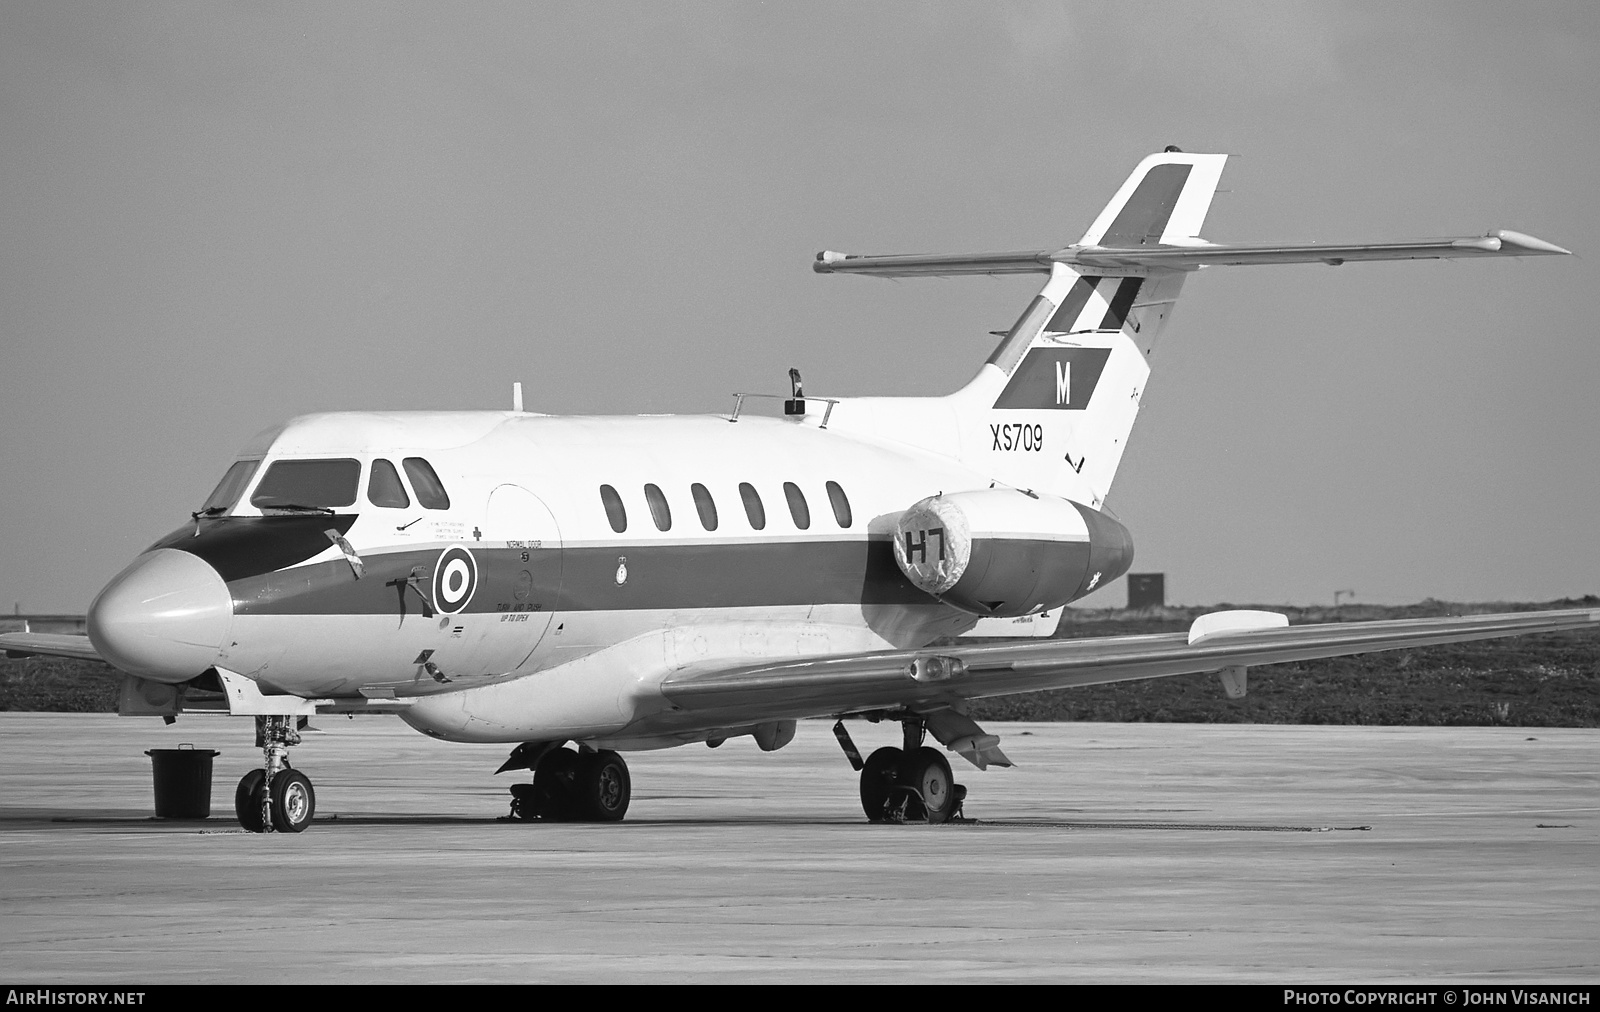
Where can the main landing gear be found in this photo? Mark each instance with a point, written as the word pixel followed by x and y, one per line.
pixel 908 784
pixel 569 786
pixel 276 798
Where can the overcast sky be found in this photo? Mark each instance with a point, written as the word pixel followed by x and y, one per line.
pixel 215 216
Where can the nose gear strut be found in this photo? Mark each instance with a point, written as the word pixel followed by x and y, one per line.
pixel 275 798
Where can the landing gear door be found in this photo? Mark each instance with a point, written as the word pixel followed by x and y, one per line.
pixel 523 578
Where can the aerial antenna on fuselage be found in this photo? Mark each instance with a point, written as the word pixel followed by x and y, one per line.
pixel 796 404
pixel 516 396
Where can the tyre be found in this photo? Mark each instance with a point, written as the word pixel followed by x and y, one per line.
pixel 877 781
pixel 553 789
pixel 603 788
pixel 294 803
pixel 928 773
pixel 247 801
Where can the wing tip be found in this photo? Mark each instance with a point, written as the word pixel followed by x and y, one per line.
pixel 1525 245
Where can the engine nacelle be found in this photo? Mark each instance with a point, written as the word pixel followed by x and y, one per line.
pixel 1006 553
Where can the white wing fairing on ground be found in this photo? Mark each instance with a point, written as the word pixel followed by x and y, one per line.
pixel 644 582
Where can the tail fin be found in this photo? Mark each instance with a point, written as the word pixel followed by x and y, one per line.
pixel 1053 405
pixel 1052 408
pixel 1163 203
pixel 1060 393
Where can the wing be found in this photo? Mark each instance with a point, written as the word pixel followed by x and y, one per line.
pixel 933 678
pixel 1499 242
pixel 24 644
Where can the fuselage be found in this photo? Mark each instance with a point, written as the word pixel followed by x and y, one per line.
pixel 440 555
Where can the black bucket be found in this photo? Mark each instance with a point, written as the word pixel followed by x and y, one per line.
pixel 183 781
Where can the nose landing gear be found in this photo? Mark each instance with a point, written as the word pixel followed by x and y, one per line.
pixel 276 798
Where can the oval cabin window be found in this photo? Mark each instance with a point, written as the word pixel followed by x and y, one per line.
pixel 753 510
pixel 841 505
pixel 615 511
pixel 797 505
pixel 704 505
pixel 660 512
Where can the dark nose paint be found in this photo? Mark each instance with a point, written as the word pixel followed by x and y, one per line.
pixel 238 547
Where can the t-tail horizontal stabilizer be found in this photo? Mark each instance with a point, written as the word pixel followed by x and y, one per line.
pixel 1500 242
pixel 1059 395
pixel 1154 221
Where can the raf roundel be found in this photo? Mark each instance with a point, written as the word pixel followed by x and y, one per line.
pixel 455 577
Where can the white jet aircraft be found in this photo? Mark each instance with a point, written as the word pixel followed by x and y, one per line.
pixel 620 583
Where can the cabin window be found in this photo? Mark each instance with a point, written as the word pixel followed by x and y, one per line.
pixel 230 487
pixel 753 509
pixel 615 511
pixel 797 505
pixel 384 487
pixel 430 490
pixel 660 512
pixel 704 505
pixel 841 505
pixel 314 484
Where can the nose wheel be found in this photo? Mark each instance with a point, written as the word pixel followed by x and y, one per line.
pixel 277 798
pixel 247 801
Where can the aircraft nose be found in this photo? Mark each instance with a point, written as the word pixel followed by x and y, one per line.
pixel 166 617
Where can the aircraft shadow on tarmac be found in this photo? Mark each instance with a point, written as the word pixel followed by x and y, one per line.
pixel 37 818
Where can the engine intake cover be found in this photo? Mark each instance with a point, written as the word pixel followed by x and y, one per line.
pixel 1006 553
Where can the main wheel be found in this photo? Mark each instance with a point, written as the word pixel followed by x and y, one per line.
pixel 247 801
pixel 553 790
pixel 294 803
pixel 877 781
pixel 927 771
pixel 603 788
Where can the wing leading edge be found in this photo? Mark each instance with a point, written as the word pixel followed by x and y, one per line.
pixel 24 644
pixel 936 677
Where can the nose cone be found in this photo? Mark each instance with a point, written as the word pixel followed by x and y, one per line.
pixel 166 617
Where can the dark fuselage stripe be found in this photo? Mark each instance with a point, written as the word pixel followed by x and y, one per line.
pixel 605 578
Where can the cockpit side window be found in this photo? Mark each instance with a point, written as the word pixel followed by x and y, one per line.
pixel 384 487
pixel 230 487
pixel 324 484
pixel 430 490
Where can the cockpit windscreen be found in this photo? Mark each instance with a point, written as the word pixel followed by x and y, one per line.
pixel 229 488
pixel 308 484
